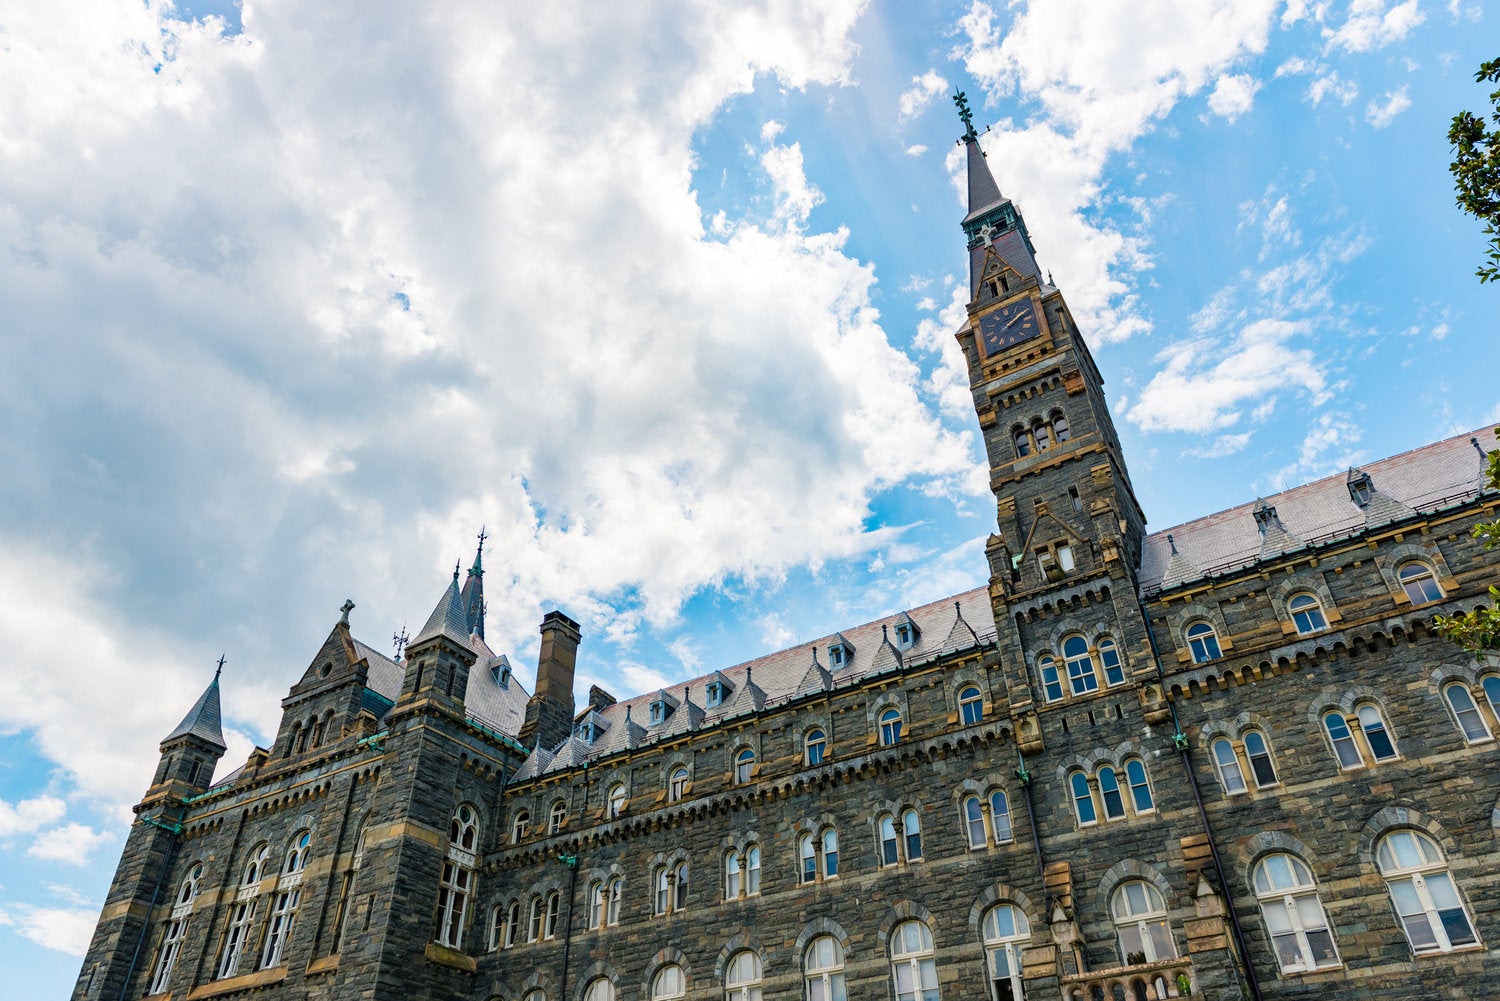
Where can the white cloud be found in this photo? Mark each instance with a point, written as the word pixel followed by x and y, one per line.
pixel 1331 85
pixel 1223 445
pixel 916 149
pixel 1371 25
pixel 1382 111
pixel 63 929
pixel 71 844
pixel 1233 95
pixel 29 815
pixel 1295 66
pixel 919 96
pixel 1329 445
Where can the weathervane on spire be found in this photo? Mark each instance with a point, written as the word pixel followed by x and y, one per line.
pixel 477 570
pixel 399 640
pixel 220 669
pixel 962 100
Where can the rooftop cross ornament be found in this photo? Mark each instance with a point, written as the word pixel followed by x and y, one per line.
pixel 400 640
pixel 962 100
pixel 345 608
pixel 220 669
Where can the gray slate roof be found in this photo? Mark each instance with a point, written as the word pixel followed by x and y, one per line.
pixel 1422 480
pixel 501 708
pixel 202 720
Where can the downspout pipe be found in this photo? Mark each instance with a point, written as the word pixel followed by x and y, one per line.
pixel 571 861
pixel 1185 755
pixel 161 877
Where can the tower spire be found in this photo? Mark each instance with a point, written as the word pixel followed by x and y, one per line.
pixel 992 222
pixel 473 593
pixel 202 721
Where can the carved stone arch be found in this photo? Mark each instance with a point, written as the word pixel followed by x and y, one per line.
pixel 1003 893
pixel 1310 581
pixel 1393 818
pixel 671 762
pixel 1344 700
pixel 738 841
pixel 969 787
pixel 539 980
pixel 963 678
pixel 1130 748
pixel 816 928
pixel 1390 560
pixel 597 970
pixel 814 720
pixel 668 955
pixel 540 887
pixel 1066 626
pixel 1267 843
pixel 891 698
pixel 898 911
pixel 745 739
pixel 740 942
pixel 1468 673
pixel 1128 869
pixel 1086 763
pixel 1213 729
pixel 1186 615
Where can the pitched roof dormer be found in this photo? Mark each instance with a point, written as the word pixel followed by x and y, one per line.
pixel 887 657
pixel 718 691
pixel 840 652
pixel 907 632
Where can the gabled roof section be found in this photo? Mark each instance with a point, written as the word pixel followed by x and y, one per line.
pixel 202 721
pixel 751 698
pixel 500 707
pixel 535 764
pixel 887 657
pixel 1431 478
pixel 817 678
pixel 961 635
pixel 447 618
pixel 687 719
pixel 726 689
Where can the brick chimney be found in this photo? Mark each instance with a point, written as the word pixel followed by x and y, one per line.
pixel 549 714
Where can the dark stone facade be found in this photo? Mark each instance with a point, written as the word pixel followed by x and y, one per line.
pixel 387 765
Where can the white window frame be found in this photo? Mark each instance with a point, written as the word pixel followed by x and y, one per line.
pixel 1143 923
pixel 742 977
pixel 1307 613
pixel 1423 893
pixel 823 970
pixel 1296 923
pixel 1004 930
pixel 914 963
pixel 1471 722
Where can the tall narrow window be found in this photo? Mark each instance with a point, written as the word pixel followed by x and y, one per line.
pixel 596 905
pixel 1000 817
pixel 823 969
pixel 677 784
pixel 890 851
pixel 1419 583
pixel 242 913
pixel 974 822
pixel 680 890
pixel 513 924
pixel 175 929
pixel 534 920
pixel 1228 764
pixel 288 897
pixel 830 852
pixel 752 870
pixel 1466 713
pixel 809 853
pixel 1022 442
pixel 456 885
pixel 913 965
pixel 520 826
pixel 744 765
pixel 1259 753
pixel 1060 427
pixel 1491 684
pixel 1082 677
pixel 557 818
pixel 911 830
pixel 1294 914
pixel 616 800
pixel 1343 741
pixel 554 908
pixel 668 984
pixel 1109 653
pixel 1203 642
pixel 1005 931
pixel 1051 683
pixel 1140 787
pixel 890 727
pixel 1307 613
pixel 1377 735
pixel 1432 913
pixel 970 705
pixel 734 876
pixel 1109 793
pixel 742 977
pixel 612 907
pixel 663 889
pixel 816 744
pixel 1083 798
pixel 1140 916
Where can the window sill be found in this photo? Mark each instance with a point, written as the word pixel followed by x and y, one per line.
pixel 260 978
pixel 1330 968
pixel 327 964
pixel 1439 953
pixel 452 958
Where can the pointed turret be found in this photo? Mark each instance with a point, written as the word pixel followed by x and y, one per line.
pixel 203 720
pixel 447 618
pixel 993 223
pixel 191 751
pixel 439 657
pixel 472 596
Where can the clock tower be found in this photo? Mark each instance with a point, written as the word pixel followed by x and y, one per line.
pixel 1067 544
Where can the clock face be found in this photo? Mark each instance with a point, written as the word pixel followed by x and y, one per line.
pixel 1010 324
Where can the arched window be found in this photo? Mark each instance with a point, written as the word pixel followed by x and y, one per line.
pixel 680 883
pixel 456 885
pixel 890 726
pixel 1432 913
pixel 596 904
pixel 823 969
pixel 1203 641
pixel 1342 740
pixel 1005 931
pixel 1082 677
pixel 1228 764
pixel 1259 753
pixel 1294 914
pixel 913 966
pixel 1466 713
pixel 677 784
pixel 1022 441
pixel 1000 817
pixel 1051 682
pixel 911 830
pixel 668 983
pixel 830 852
pixel 174 929
pixel 744 765
pixel 497 927
pixel 1060 427
pixel 288 897
pixel 558 817
pixel 1043 436
pixel 243 912
pixel 890 850
pixel 816 746
pixel 616 800
pixel 520 826
pixel 1419 583
pixel 536 995
pixel 1491 684
pixel 1114 670
pixel 742 977
pixel 734 876
pixel 662 879
pixel 599 989
pixel 1109 793
pixel 534 920
pixel 1140 787
pixel 1083 798
pixel 1307 613
pixel 616 889
pixel 1377 734
pixel 554 908
pixel 974 822
pixel 1140 916
pixel 970 705
pixel 512 923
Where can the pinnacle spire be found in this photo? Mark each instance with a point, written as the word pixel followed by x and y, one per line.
pixel 992 222
pixel 447 618
pixel 472 597
pixel 203 721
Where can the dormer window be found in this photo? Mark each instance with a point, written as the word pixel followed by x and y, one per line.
pixel 840 653
pixel 715 693
pixel 906 632
pixel 500 671
pixel 586 732
pixel 1265 518
pixel 903 634
pixel 1360 487
pixel 658 712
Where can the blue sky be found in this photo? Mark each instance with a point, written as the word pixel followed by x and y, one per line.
pixel 298 299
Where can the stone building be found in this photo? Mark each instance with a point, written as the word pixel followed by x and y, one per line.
pixel 1230 759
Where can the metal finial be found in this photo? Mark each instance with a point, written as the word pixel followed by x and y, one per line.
pixel 220 669
pixel 346 608
pixel 967 116
pixel 1172 543
pixel 456 565
pixel 399 640
pixel 477 570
